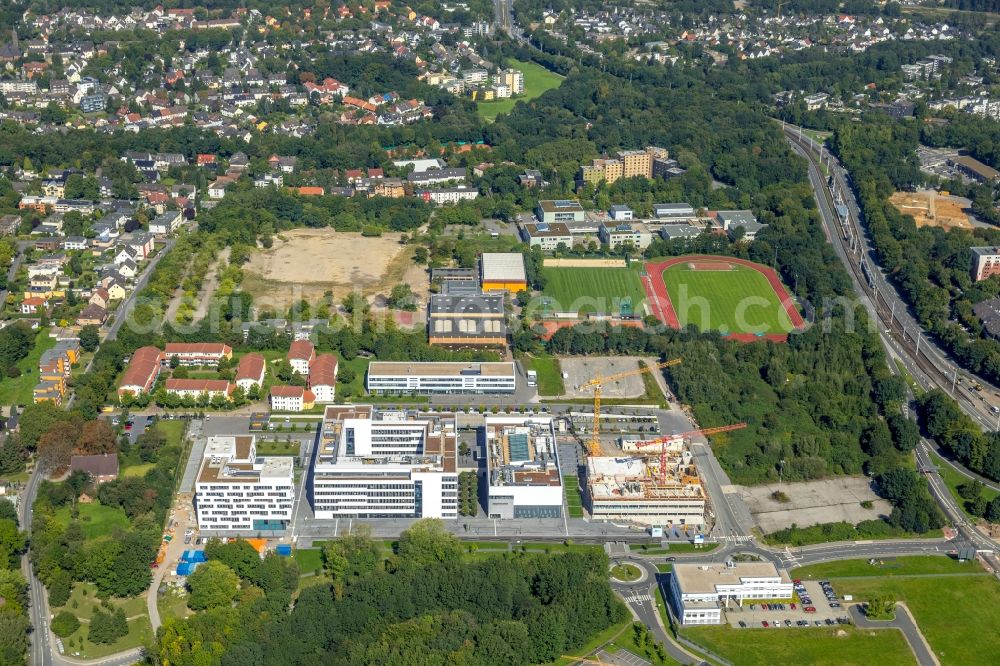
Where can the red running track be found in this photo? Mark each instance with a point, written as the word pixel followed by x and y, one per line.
pixel 659 299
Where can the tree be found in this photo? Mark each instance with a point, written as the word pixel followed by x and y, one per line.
pixel 12 543
pixel 60 587
pixel 89 338
pixel 64 624
pixel 905 433
pixel 401 298
pixel 36 420
pixel 107 626
pixel 212 585
pixel 56 446
pixel 880 607
pixel 354 554
pixel 96 438
pixel 428 541
pixel 239 555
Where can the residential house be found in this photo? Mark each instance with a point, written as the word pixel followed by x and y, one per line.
pixel 323 378
pixel 194 388
pixel 101 468
pixel 291 399
pixel 250 371
pixel 300 356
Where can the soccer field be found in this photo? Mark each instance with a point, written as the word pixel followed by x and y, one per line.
pixel 589 290
pixel 729 301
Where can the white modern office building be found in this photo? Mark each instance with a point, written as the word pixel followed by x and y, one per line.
pixel 433 377
pixel 522 467
pixel 238 492
pixel 385 464
pixel 699 592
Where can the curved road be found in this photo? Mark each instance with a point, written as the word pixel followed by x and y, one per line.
pixel 906 624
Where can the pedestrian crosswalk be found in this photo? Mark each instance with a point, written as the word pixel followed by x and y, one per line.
pixel 636 597
pixel 736 538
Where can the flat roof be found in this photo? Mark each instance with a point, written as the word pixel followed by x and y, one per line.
pixel 503 267
pixel 704 578
pixel 467 305
pixel 546 229
pixel 437 369
pixel 560 205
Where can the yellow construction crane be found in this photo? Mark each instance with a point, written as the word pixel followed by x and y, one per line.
pixel 594 445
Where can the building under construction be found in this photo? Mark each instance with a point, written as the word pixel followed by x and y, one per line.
pixel 636 489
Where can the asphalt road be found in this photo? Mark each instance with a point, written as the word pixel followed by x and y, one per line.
pixel 905 623
pixel 640 596
pixel 125 309
pixel 14 266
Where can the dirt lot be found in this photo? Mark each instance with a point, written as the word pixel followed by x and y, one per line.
pixel 305 263
pixel 948 212
pixel 814 502
pixel 582 370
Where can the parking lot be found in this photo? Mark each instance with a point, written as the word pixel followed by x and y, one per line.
pixel 808 594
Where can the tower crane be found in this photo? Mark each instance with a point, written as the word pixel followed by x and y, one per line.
pixel 594 445
pixel 662 441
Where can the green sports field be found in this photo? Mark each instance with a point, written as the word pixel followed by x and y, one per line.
pixel 589 290
pixel 729 301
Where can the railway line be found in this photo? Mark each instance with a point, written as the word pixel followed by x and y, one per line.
pixel 897 326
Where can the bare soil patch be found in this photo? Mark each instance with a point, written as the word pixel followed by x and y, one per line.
pixel 930 209
pixel 305 263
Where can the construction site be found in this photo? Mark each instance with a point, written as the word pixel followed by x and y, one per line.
pixel 654 482
pixel 933 209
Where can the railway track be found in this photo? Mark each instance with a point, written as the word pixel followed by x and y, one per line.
pixel 849 236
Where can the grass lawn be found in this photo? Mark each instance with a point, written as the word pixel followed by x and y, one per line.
pixel 957 614
pixel 173 603
pixel 835 646
pixel 550 381
pixel 953 479
pixel 355 388
pixel 19 391
pixel 96 519
pixel 537 80
pixel 587 290
pixel 83 599
pixel 138 470
pixel 574 502
pixel 173 430
pixel 278 448
pixel 308 559
pixel 729 301
pixel 140 633
pixel 626 641
pixel 902 566
pixel 626 572
pixel 665 568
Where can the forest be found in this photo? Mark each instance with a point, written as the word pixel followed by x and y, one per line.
pixel 423 603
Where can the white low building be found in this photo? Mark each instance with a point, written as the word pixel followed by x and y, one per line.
pixel 524 480
pixel 699 592
pixel 238 492
pixel 385 464
pixel 443 377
